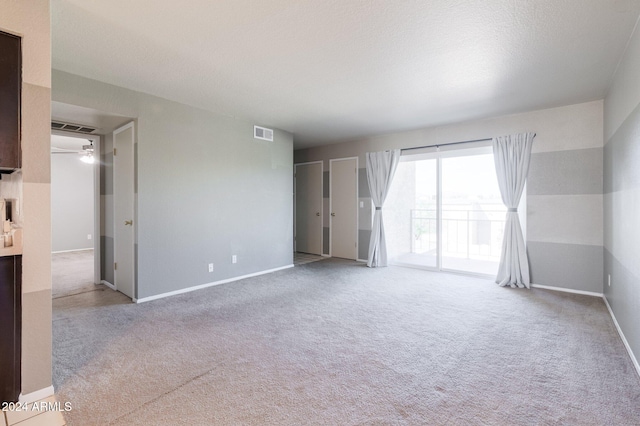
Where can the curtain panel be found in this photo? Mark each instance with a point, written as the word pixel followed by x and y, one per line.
pixel 381 166
pixel 511 155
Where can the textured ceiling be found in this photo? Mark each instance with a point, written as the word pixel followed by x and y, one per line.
pixel 329 70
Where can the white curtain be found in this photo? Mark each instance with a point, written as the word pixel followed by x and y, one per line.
pixel 381 166
pixel 511 154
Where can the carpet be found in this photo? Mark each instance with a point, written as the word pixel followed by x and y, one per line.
pixel 337 343
pixel 72 272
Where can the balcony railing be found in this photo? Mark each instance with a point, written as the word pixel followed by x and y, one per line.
pixel 471 234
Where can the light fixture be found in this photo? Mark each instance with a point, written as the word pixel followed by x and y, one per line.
pixel 87 156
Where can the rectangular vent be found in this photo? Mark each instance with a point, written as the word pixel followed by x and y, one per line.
pixel 262 133
pixel 78 128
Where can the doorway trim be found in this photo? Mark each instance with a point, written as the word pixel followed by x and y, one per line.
pixel 331 161
pixel 97 143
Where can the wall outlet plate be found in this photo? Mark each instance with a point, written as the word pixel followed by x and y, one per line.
pixel 234 259
pixel 211 267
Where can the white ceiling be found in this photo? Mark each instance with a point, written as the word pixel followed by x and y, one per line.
pixel 329 70
pixel 67 143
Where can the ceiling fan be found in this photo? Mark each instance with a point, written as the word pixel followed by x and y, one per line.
pixel 87 153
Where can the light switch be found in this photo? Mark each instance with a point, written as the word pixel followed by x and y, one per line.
pixel 361 204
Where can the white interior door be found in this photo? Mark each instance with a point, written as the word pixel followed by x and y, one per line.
pixel 123 200
pixel 308 182
pixel 344 208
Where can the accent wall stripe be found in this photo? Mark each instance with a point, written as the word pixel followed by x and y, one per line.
pixel 572 266
pixel 325 240
pixel 621 154
pixel 363 184
pixel 622 226
pixel 364 236
pixel 624 289
pixel 325 184
pixel 566 172
pixel 106 261
pixel 36 340
pixel 572 219
pixel 365 214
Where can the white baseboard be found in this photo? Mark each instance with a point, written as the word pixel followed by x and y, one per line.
pixel 325 255
pixel 37 395
pixel 624 339
pixel 199 287
pixel 108 284
pixel 567 290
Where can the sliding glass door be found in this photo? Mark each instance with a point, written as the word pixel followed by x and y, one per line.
pixel 444 211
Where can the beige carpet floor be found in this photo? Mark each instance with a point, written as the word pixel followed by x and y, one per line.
pixel 72 272
pixel 336 343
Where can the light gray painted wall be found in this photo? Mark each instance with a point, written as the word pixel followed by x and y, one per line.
pixel 106 209
pixel 206 188
pixel 564 200
pixel 72 200
pixel 622 195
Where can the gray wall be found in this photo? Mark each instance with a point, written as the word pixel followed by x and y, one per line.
pixel 564 199
pixel 106 209
pixel 622 195
pixel 72 202
pixel 206 189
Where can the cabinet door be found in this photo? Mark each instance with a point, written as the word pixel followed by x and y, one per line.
pixel 10 327
pixel 10 88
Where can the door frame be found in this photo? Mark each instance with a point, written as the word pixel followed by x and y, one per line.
pixel 295 194
pixel 134 225
pixel 97 140
pixel 331 161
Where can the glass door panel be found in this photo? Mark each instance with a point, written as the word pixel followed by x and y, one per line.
pixel 473 215
pixel 410 214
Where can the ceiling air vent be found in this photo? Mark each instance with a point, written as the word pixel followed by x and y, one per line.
pixel 262 133
pixel 77 128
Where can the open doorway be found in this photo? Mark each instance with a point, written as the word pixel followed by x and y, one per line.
pixel 74 213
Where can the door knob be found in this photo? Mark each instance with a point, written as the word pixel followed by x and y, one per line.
pixel 318 214
pixel 333 214
pixel 128 222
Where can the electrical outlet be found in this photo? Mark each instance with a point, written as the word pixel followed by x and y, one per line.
pixel 609 280
pixel 211 267
pixel 234 259
pixel 88 236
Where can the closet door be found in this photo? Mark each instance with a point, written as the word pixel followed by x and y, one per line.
pixel 344 208
pixel 308 178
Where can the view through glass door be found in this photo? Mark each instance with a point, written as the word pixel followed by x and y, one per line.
pixel 444 211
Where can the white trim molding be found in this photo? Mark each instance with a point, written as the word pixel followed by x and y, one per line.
pixel 37 395
pixel 211 284
pixel 567 290
pixel 624 339
pixel 108 284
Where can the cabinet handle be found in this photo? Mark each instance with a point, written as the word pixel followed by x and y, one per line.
pixel 128 222
pixel 318 214
pixel 333 214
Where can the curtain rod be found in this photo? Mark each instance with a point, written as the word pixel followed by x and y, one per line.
pixel 444 144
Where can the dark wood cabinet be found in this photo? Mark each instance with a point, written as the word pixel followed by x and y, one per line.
pixel 10 326
pixel 10 89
